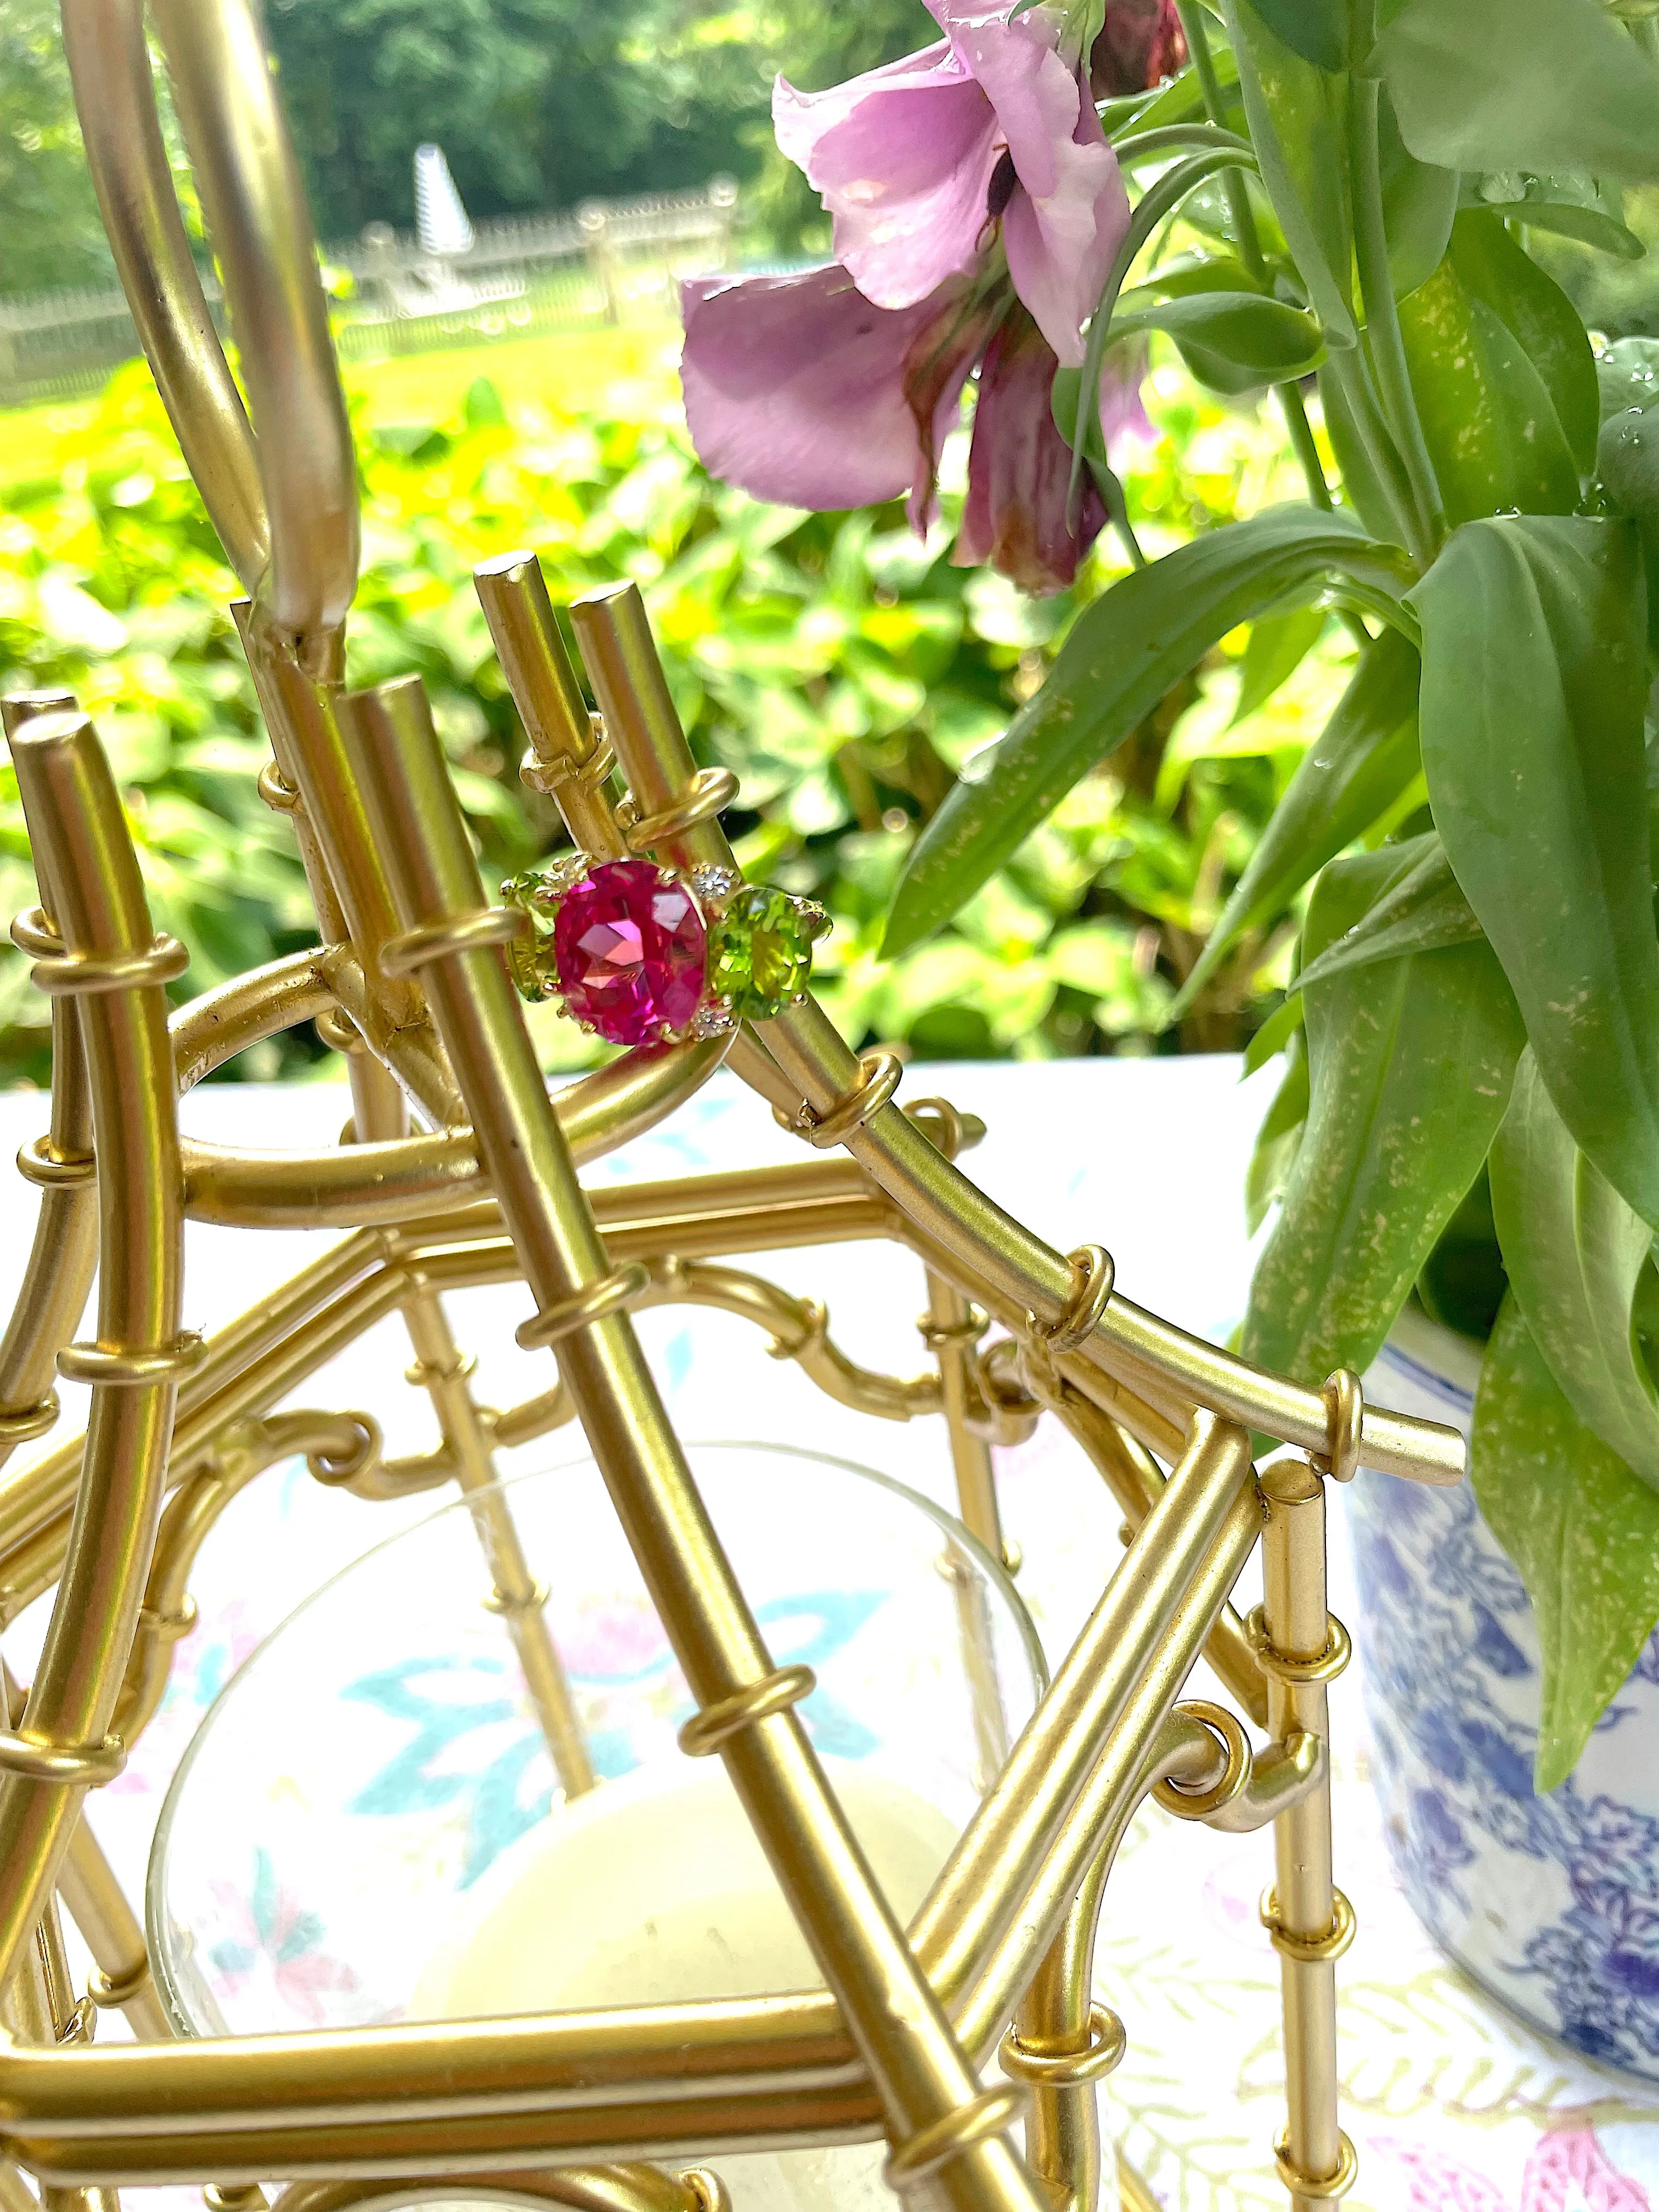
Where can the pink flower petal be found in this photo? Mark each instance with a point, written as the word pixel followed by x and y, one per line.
pixel 902 158
pixel 1020 471
pixel 937 365
pixel 1068 216
pixel 795 388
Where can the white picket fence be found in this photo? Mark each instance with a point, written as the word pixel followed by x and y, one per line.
pixel 608 261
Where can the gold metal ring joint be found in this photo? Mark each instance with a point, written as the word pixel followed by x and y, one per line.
pixel 67 975
pixel 485 926
pixel 549 776
pixel 39 1161
pixel 881 1073
pixel 88 1763
pixel 991 2114
pixel 1069 2069
pixel 938 1334
pixel 34 933
pixel 1196 1804
pixel 28 1422
pixel 1091 1286
pixel 1324 1669
pixel 500 1602
pixel 1328 2187
pixel 707 2193
pixel 279 793
pixel 1345 1403
pixel 338 1030
pixel 109 1992
pixel 706 1731
pixel 709 790
pixel 1309 1950
pixel 604 1296
pixel 132 1365
pixel 951 1131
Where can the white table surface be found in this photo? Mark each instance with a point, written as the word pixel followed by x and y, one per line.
pixel 1449 2102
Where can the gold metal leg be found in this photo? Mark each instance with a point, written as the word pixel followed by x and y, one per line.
pixel 1309 1919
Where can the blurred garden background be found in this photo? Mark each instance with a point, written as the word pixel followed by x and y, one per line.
pixel 843 668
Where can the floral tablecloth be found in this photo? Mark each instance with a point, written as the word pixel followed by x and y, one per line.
pixel 1450 2101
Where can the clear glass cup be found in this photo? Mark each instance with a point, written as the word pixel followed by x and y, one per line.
pixel 369 1825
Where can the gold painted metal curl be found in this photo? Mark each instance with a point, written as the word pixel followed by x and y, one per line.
pixel 706 1731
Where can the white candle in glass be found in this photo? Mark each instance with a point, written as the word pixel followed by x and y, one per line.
pixel 647 1891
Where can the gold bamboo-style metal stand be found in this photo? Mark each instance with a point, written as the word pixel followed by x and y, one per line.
pixel 457 1169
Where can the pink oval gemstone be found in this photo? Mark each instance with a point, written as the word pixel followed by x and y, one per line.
pixel 630 950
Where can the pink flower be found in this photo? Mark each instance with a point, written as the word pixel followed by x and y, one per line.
pixel 801 392
pixel 916 162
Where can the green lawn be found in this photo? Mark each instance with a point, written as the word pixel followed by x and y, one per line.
pixel 570 372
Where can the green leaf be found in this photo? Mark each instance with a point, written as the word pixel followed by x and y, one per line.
pixel 1539 316
pixel 1534 680
pixel 1361 488
pixel 1123 654
pixel 1357 767
pixel 1520 84
pixel 1279 645
pixel 1410 1066
pixel 1278 1033
pixel 1418 204
pixel 1297 115
pixel 1316 29
pixel 1487 417
pixel 1279 1140
pixel 1423 911
pixel 1627 375
pixel 1572 207
pixel 1575 1254
pixel 1234 342
pixel 1582 1532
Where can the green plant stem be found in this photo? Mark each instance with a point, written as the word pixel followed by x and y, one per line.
pixel 1382 317
pixel 1169 137
pixel 1347 368
pixel 1243 218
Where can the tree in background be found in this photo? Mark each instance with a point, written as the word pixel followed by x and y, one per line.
pixel 50 232
pixel 540 103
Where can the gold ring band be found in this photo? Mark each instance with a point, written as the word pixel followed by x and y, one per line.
pixel 882 1072
pixel 1328 1664
pixel 1092 1274
pixel 455 933
pixel 709 790
pixel 1069 2069
pixel 66 975
pixel 279 793
pixel 1345 1402
pixel 110 1992
pixel 134 1365
pixel 38 1163
pixel 34 933
pixel 28 1421
pixel 1309 1950
pixel 1195 1804
pixel 706 1731
pixel 604 1296
pixel 1304 2185
pixel 90 1763
pixel 991 2114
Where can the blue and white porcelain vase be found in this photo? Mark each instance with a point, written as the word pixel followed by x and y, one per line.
pixel 1551 1903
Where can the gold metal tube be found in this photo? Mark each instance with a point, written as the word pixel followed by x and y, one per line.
pixel 110 1929
pixel 225 1021
pixel 567 760
pixel 1296 1629
pixel 924 2081
pixel 981 1887
pixel 225 96
pixel 64 1255
pixel 952 1330
pixel 91 886
pixel 637 2188
pixel 115 99
pixel 514 1593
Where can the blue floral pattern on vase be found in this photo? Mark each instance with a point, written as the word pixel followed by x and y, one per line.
pixel 1551 1903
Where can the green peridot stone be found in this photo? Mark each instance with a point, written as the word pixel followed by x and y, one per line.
pixel 760 950
pixel 530 956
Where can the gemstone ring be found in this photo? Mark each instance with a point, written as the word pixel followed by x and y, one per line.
pixel 641 955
